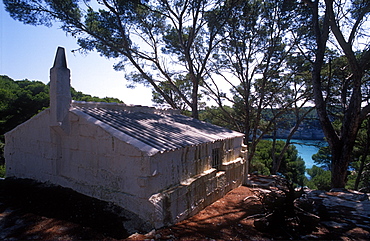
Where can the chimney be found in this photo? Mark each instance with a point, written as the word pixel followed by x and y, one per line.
pixel 60 92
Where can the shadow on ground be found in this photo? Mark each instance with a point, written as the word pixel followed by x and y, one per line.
pixel 30 210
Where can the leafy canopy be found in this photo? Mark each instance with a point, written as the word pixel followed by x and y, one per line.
pixel 20 100
pixel 292 166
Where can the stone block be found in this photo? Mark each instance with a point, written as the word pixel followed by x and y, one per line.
pixel 122 148
pixel 74 129
pixel 86 144
pixel 71 142
pixel 105 145
pixel 86 130
pixel 121 163
pixel 142 181
pixel 101 133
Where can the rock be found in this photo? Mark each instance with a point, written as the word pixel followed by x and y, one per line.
pixel 342 209
pixel 262 224
pixel 334 225
pixel 308 219
pixel 309 237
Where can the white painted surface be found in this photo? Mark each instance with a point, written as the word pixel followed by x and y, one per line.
pixel 162 189
pixel 67 147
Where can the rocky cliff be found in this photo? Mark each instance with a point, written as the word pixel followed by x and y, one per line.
pixel 302 133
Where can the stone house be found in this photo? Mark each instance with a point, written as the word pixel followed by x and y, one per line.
pixel 160 165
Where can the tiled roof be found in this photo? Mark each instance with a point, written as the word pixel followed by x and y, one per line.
pixel 161 131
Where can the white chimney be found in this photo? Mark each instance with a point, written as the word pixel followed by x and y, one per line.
pixel 60 92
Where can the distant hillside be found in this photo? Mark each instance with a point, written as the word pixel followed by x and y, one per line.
pixel 303 133
pixel 309 129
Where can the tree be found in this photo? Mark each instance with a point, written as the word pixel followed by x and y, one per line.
pixel 79 96
pixel 342 23
pixel 323 158
pixel 219 116
pixel 361 153
pixel 358 167
pixel 320 178
pixel 183 84
pixel 20 100
pixel 257 60
pixel 292 166
pixel 156 42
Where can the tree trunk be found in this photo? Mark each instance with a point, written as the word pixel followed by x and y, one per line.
pixel 361 169
pixel 341 144
pixel 340 161
pixel 364 156
pixel 276 164
pixel 194 103
pixel 273 150
pixel 339 165
pixel 194 111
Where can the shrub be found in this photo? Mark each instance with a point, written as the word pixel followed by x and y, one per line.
pixel 2 171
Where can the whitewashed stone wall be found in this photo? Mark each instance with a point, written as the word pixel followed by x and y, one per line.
pixel 67 147
pixel 87 158
pixel 29 150
pixel 189 197
pixel 96 160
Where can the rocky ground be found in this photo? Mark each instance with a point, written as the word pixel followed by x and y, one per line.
pixel 33 211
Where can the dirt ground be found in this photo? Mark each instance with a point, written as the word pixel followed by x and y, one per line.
pixel 31 211
pixel 225 219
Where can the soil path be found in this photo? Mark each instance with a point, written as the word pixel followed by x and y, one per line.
pixel 33 211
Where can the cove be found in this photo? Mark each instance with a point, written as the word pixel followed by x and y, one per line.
pixel 307 148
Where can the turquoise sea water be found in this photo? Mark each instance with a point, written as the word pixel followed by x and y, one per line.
pixel 306 148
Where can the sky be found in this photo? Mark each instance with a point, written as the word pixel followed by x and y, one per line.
pixel 28 52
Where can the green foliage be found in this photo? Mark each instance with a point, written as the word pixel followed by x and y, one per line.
pixel 292 166
pixel 351 179
pixel 356 170
pixel 360 165
pixel 262 161
pixel 323 157
pixel 172 89
pixel 360 154
pixel 2 145
pixel 79 96
pixel 320 178
pixel 287 119
pixel 20 100
pixel 220 117
pixel 2 170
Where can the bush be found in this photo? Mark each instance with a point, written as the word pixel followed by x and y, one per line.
pixel 320 178
pixel 292 165
pixel 2 171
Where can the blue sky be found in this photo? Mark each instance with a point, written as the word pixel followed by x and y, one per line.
pixel 27 52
